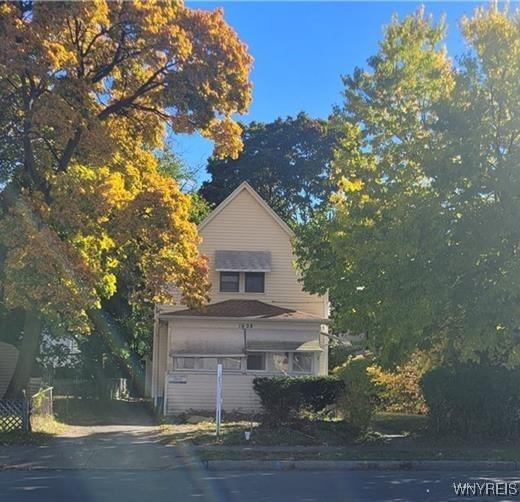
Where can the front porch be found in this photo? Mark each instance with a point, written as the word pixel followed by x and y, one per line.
pixel 189 346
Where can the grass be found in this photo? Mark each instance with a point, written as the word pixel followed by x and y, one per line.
pixel 44 428
pixel 325 433
pixel 392 437
pixel 232 434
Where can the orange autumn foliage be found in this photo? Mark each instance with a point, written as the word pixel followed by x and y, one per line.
pixel 89 90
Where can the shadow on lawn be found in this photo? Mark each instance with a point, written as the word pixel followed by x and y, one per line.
pixel 77 411
pixel 304 433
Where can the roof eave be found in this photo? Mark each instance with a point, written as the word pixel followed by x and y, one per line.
pixel 172 316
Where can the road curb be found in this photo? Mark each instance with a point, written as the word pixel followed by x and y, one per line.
pixel 359 465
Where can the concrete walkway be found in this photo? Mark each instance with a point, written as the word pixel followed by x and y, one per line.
pixel 124 447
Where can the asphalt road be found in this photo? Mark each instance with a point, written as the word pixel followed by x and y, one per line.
pixel 196 485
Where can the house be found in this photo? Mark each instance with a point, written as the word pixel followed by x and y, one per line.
pixel 8 360
pixel 259 321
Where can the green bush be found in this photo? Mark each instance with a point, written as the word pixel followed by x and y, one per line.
pixel 357 401
pixel 284 397
pixel 473 399
pixel 399 390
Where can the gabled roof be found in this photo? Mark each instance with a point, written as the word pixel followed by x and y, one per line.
pixel 245 309
pixel 246 186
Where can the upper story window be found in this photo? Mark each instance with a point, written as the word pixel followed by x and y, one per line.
pixel 229 282
pixel 254 282
pixel 242 271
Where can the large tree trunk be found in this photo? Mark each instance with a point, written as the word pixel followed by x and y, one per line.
pixel 32 329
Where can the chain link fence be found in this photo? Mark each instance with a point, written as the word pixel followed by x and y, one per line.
pixel 41 402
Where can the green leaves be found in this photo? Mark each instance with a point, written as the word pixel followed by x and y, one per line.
pixel 422 245
pixel 287 161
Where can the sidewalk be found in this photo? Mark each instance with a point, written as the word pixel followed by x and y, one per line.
pixel 361 465
pixel 139 448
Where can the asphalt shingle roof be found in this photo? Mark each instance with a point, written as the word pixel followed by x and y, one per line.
pixel 247 309
pixel 243 261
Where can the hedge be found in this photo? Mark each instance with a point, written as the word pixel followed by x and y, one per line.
pixel 285 397
pixel 357 400
pixel 473 399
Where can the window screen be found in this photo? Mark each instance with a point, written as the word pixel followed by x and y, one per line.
pixel 255 282
pixel 256 362
pixel 229 282
pixel 302 363
pixel 230 363
pixel 279 362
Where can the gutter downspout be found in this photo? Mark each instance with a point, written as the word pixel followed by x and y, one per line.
pixel 154 356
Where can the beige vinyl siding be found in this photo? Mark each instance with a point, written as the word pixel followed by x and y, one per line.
pixel 199 393
pixel 241 223
pixel 219 337
pixel 244 225
pixel 8 359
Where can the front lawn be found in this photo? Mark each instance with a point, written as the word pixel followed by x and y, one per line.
pixel 318 433
pixel 392 437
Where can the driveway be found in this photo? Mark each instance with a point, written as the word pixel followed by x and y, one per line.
pixel 130 441
pixel 99 447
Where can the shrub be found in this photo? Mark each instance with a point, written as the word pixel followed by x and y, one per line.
pixel 399 391
pixel 284 397
pixel 357 401
pixel 473 399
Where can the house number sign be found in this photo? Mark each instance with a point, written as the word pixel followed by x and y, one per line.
pixel 245 325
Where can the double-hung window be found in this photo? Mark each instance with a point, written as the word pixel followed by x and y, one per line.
pixel 229 282
pixel 254 282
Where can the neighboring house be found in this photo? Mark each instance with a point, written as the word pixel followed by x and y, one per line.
pixel 259 321
pixel 8 359
pixel 62 352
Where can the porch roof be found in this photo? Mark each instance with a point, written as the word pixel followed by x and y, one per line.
pixel 283 346
pixel 245 309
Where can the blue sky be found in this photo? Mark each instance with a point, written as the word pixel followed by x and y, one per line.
pixel 301 49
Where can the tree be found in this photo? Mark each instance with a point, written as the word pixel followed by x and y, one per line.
pixel 286 161
pixel 88 89
pixel 173 166
pixel 131 320
pixel 420 246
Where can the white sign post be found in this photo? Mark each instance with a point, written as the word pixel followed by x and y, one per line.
pixel 218 417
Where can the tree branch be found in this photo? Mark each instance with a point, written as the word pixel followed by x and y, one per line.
pixel 149 85
pixel 67 154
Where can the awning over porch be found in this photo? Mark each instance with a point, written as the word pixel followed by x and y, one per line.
pixel 283 346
